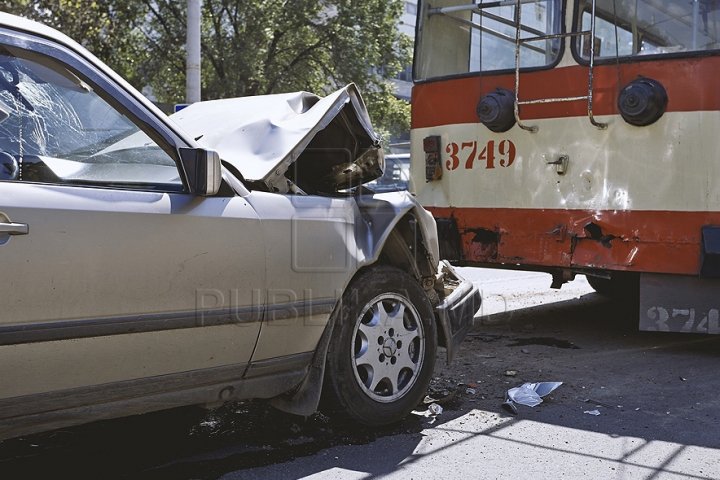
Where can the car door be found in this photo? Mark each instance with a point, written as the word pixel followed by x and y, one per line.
pixel 112 272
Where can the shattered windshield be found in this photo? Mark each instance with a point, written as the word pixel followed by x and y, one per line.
pixel 59 129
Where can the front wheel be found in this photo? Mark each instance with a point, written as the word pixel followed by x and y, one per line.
pixel 382 352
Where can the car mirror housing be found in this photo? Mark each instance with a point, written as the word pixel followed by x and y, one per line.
pixel 202 167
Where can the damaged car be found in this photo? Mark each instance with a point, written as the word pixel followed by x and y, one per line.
pixel 228 252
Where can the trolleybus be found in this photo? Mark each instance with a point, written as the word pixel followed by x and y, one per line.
pixel 577 137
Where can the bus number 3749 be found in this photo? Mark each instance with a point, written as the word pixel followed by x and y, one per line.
pixel 492 153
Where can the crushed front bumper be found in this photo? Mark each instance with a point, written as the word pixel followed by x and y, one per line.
pixel 456 311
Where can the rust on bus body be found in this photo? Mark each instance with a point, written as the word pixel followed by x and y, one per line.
pixel 643 241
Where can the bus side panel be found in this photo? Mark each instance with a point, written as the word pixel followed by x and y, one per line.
pixel 645 241
pixel 630 198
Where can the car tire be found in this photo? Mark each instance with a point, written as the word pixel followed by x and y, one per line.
pixel 382 353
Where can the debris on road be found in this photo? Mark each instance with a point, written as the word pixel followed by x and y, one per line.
pixel 447 397
pixel 510 373
pixel 433 411
pixel 509 406
pixel 528 394
pixel 592 412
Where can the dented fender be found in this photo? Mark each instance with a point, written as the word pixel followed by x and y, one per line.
pixel 376 218
pixel 456 299
pixel 380 214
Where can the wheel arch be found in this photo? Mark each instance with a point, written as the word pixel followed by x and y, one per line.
pixel 393 230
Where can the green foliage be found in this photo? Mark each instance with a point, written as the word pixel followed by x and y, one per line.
pixel 253 47
pixel 249 47
pixel 108 28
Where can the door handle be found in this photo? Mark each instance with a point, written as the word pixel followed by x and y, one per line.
pixel 14 228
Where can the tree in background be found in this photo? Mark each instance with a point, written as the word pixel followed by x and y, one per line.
pixel 249 47
pixel 108 28
pixel 255 47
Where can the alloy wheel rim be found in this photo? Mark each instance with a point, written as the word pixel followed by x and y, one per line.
pixel 388 347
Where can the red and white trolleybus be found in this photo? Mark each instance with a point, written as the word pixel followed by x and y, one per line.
pixel 577 137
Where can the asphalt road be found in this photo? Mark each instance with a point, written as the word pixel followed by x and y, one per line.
pixel 654 398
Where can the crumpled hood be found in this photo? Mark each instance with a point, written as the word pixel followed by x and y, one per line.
pixel 262 135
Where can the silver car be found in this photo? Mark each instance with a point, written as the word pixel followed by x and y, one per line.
pixel 228 252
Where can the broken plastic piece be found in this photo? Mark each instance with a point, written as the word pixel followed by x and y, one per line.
pixel 528 394
pixel 441 400
pixel 433 411
pixel 509 406
pixel 592 412
pixel 543 388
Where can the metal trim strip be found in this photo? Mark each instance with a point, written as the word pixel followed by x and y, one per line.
pixel 68 329
pixel 279 364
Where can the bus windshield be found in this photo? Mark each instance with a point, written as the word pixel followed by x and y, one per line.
pixel 648 27
pixel 459 37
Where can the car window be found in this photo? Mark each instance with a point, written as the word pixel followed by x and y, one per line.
pixel 56 128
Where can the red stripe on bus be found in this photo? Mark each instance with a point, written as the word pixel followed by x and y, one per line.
pixel 691 85
pixel 643 241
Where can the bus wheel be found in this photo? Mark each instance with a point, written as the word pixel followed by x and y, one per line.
pixel 624 285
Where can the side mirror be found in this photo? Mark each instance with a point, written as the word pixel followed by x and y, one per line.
pixel 203 170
